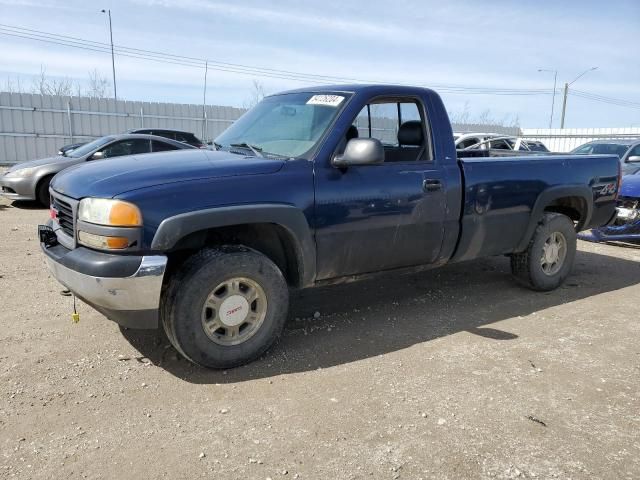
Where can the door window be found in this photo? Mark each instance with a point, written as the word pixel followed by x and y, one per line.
pixel 399 127
pixel 162 146
pixel 468 142
pixel 634 152
pixel 127 147
pixel 499 145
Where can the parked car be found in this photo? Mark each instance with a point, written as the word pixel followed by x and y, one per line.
pixel 67 148
pixel 297 196
pixel 626 227
pixel 469 140
pixel 30 180
pixel 493 141
pixel 180 136
pixel 627 150
pixel 535 146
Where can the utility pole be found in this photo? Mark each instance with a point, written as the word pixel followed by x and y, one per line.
pixel 204 101
pixel 113 60
pixel 566 93
pixel 564 104
pixel 553 98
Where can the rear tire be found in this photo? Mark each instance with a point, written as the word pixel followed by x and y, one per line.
pixel 549 258
pixel 42 192
pixel 225 307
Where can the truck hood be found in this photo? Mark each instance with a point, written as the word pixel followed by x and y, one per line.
pixel 630 186
pixel 111 177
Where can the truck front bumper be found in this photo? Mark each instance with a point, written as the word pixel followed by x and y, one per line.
pixel 125 289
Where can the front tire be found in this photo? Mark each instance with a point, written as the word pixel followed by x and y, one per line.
pixel 549 258
pixel 225 307
pixel 42 192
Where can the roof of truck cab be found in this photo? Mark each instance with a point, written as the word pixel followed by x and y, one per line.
pixel 370 88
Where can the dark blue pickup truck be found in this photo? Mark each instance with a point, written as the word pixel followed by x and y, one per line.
pixel 310 187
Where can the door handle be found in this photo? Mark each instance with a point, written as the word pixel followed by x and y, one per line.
pixel 431 185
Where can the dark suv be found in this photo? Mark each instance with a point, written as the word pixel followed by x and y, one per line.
pixel 185 137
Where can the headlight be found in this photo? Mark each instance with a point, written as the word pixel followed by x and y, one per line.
pixel 113 213
pixel 21 172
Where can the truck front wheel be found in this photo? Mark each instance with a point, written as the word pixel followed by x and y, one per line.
pixel 548 260
pixel 225 307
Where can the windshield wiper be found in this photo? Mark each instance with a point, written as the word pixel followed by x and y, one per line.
pixel 257 151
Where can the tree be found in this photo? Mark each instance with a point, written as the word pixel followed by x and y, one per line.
pixel 13 85
pixel 97 85
pixel 460 117
pixel 484 118
pixel 257 94
pixel 50 86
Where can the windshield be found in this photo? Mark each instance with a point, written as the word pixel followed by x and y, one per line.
pixel 89 147
pixel 286 125
pixel 603 148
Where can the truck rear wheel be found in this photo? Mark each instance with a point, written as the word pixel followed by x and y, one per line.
pixel 225 307
pixel 548 260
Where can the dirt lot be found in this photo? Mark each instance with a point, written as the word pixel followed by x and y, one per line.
pixel 455 373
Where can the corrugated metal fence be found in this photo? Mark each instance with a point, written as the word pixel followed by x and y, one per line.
pixel 35 126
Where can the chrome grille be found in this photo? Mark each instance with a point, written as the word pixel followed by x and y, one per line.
pixel 64 215
pixel 64 224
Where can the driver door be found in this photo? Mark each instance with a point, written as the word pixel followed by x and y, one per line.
pixel 377 217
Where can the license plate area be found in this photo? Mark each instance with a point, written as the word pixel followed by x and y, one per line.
pixel 47 235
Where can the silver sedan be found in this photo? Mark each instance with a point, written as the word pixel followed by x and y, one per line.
pixel 30 180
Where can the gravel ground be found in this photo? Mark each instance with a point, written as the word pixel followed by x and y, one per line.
pixel 454 373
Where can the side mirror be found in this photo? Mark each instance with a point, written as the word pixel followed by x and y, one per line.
pixel 97 156
pixel 633 158
pixel 360 151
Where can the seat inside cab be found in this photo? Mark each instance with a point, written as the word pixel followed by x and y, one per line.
pixel 410 146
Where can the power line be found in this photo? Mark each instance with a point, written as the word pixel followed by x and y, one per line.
pixel 243 69
pixel 603 99
pixel 89 45
pixel 197 62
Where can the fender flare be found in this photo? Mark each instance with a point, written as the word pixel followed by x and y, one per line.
pixel 547 197
pixel 291 218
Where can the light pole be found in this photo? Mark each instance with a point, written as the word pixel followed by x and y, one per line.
pixel 566 93
pixel 113 60
pixel 553 98
pixel 204 102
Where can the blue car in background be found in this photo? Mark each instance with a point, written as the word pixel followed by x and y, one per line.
pixel 626 227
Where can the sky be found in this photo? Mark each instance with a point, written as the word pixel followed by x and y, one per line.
pixel 489 44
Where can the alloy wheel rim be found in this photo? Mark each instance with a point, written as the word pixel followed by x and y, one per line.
pixel 554 252
pixel 234 311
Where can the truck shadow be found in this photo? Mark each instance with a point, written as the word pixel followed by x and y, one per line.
pixel 374 317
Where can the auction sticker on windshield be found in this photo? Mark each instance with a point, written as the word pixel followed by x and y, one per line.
pixel 328 100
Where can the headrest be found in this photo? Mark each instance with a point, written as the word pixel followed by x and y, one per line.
pixel 410 133
pixel 352 132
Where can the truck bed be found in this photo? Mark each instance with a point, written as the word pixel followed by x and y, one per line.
pixel 501 195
